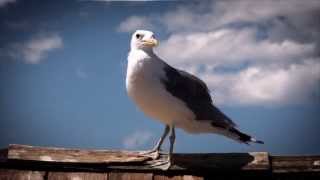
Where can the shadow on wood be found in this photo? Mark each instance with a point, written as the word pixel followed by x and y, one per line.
pixel 236 161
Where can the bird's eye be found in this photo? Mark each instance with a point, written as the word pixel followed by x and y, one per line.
pixel 138 36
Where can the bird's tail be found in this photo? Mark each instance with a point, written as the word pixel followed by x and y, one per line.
pixel 242 137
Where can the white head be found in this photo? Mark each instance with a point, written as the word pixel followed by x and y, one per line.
pixel 144 40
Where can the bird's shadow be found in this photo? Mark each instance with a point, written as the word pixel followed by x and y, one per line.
pixel 226 161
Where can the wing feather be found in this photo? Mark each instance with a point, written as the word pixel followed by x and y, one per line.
pixel 195 93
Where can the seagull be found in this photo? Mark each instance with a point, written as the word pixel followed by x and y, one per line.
pixel 174 97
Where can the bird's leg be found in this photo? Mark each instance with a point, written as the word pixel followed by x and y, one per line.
pixel 165 164
pixel 172 139
pixel 157 147
pixel 155 152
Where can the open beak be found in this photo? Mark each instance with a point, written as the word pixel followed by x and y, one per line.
pixel 152 42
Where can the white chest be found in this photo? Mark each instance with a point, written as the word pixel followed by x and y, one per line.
pixel 143 72
pixel 143 80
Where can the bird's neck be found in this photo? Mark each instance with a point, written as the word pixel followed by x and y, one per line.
pixel 140 54
pixel 147 50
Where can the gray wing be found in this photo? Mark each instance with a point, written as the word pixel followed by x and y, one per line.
pixel 195 93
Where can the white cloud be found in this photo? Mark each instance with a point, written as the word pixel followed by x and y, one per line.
pixel 215 14
pixel 230 47
pixel 248 52
pixel 5 2
pixel 253 11
pixel 135 22
pixel 137 139
pixel 37 48
pixel 295 84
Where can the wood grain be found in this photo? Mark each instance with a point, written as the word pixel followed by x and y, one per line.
pixel 285 164
pixel 126 160
pixel 168 177
pixel 12 174
pixel 33 161
pixel 77 176
pixel 52 154
pixel 176 177
pixel 226 161
pixel 130 176
pixel 190 177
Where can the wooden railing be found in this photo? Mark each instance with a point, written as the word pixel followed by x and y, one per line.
pixel 29 162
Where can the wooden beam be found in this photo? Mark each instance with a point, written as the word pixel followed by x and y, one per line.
pixel 129 176
pixel 65 155
pixel 77 176
pixel 29 162
pixel 223 161
pixel 130 160
pixel 21 174
pixel 287 164
pixel 177 177
pixel 93 160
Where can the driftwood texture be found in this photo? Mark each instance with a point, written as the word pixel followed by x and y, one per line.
pixel 29 162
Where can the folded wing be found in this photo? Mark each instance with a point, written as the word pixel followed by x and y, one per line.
pixel 195 93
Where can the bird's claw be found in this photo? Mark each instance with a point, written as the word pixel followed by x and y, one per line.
pixel 154 154
pixel 161 164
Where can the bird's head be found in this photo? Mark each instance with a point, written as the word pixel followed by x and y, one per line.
pixel 144 40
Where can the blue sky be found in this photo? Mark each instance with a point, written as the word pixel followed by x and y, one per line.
pixel 63 65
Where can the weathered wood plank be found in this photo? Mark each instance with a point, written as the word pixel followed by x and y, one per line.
pixel 285 164
pixel 38 163
pixel 226 161
pixel 207 162
pixel 11 174
pixel 189 177
pixel 50 154
pixel 129 176
pixel 176 177
pixel 167 177
pixel 77 176
pixel 125 160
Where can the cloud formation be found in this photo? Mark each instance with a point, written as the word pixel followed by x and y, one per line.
pixel 248 52
pixel 36 48
pixel 137 139
pixel 292 84
pixel 231 47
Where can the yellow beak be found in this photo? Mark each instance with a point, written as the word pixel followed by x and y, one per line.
pixel 152 42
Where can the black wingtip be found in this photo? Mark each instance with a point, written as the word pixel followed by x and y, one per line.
pixel 260 142
pixel 256 141
pixel 244 138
